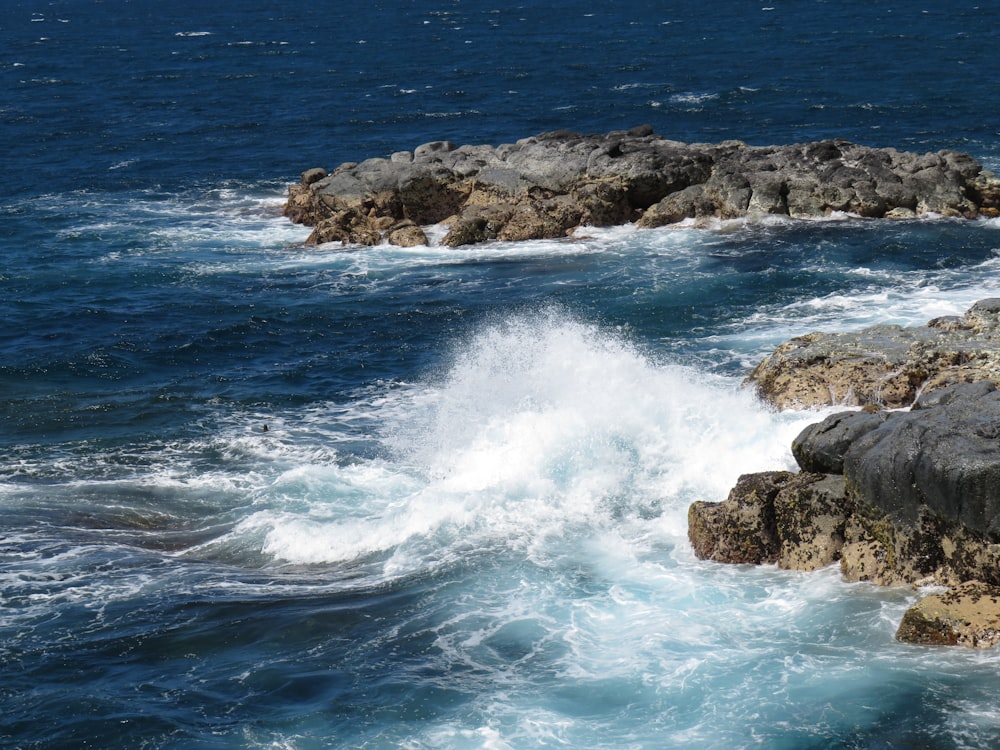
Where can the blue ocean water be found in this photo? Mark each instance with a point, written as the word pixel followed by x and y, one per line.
pixel 258 495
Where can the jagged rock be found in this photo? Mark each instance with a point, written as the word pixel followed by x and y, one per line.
pixel 902 497
pixel 967 615
pixel 794 520
pixel 741 528
pixel 810 515
pixel 556 181
pixel 884 366
pixel 919 498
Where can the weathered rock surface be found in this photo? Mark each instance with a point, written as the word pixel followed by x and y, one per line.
pixel 884 366
pixel 795 520
pixel 967 615
pixel 896 497
pixel 547 185
pixel 911 496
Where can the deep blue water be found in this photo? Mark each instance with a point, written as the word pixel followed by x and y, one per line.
pixel 464 525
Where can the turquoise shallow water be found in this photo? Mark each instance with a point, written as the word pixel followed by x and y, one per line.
pixel 464 525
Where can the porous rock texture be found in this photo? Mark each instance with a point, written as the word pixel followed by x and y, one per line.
pixel 967 615
pixel 884 366
pixel 905 497
pixel 547 185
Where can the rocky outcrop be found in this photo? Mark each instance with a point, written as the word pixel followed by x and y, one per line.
pixel 883 366
pixel 897 497
pixel 797 521
pixel 547 185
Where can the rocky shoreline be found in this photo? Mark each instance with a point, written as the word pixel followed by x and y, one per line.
pixel 548 185
pixel 896 497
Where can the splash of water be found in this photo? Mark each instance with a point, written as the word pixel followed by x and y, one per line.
pixel 541 426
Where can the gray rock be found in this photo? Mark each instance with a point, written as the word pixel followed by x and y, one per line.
pixel 433 150
pixel 952 393
pixel 820 447
pixel 624 175
pixel 882 366
pixel 945 459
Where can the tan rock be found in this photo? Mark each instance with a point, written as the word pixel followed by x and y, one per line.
pixel 967 615
pixel 885 366
pixel 407 234
pixel 794 520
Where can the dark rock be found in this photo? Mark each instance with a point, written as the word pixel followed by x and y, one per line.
pixel 945 459
pixel 919 498
pixel 820 447
pixel 619 176
pixel 953 393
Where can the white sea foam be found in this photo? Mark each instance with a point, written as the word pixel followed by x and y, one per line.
pixel 690 97
pixel 540 426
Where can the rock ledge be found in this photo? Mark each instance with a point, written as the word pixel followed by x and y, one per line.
pixel 883 366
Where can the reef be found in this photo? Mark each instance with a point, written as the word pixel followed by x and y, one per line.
pixel 548 185
pixel 894 497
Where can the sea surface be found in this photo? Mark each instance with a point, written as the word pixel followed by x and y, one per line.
pixel 255 494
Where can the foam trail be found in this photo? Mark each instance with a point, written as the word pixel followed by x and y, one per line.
pixel 542 427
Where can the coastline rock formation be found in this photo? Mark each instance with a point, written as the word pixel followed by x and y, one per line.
pixel 897 497
pixel 968 615
pixel 882 366
pixel 547 185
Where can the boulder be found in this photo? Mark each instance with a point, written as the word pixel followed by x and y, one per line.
pixel 945 459
pixel 741 528
pixel 407 233
pixel 556 181
pixel 820 447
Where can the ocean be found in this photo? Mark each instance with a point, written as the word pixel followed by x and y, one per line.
pixel 255 494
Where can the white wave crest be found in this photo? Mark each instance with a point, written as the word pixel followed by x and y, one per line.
pixel 540 427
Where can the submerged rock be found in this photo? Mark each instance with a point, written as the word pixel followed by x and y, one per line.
pixel 882 366
pixel 547 185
